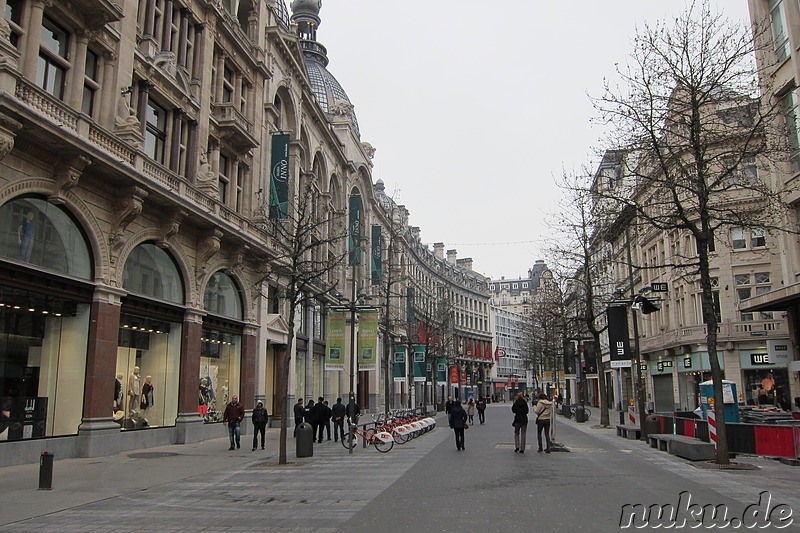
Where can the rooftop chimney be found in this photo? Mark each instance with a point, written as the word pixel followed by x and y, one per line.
pixel 465 263
pixel 451 256
pixel 438 250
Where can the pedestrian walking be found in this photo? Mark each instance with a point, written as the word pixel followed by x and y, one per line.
pixel 544 411
pixel 470 410
pixel 520 410
pixel 322 416
pixel 448 405
pixel 481 407
pixel 299 413
pixel 338 412
pixel 458 422
pixel 260 418
pixel 233 416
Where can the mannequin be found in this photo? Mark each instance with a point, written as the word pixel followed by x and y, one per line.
pixel 118 392
pixel 147 393
pixel 225 393
pixel 204 398
pixel 133 390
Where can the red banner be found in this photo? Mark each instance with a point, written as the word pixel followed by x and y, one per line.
pixel 487 351
pixel 454 374
pixel 469 349
pixel 463 376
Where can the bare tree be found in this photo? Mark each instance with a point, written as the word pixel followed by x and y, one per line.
pixel 577 253
pixel 436 332
pixel 546 329
pixel 308 251
pixel 686 111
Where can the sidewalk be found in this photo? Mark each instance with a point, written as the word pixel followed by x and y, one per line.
pixel 193 487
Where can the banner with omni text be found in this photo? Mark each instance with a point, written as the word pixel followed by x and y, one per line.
pixel 367 340
pixel 377 247
pixel 279 177
pixel 354 233
pixel 334 353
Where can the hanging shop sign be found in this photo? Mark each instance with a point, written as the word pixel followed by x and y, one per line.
pixel 334 354
pixel 367 340
pixel 279 177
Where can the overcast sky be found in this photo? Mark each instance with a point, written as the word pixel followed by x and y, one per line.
pixel 476 107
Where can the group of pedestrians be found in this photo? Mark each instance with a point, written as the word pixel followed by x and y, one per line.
pixel 543 409
pixel 320 415
pixel 459 419
pixel 233 416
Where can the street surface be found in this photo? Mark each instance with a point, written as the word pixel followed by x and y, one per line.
pixel 425 485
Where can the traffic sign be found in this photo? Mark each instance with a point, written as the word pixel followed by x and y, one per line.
pixel 659 287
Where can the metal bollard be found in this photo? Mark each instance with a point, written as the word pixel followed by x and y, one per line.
pixel 46 471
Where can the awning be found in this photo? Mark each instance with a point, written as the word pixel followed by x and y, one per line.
pixel 777 300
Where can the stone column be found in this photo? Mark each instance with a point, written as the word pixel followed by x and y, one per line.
pixel 166 32
pixel 247 380
pixel 30 49
pixel 176 135
pixel 183 37
pixel 189 424
pixel 76 75
pixel 101 361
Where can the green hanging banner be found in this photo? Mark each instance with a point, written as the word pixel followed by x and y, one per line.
pixel 334 353
pixel 367 340
pixel 419 363
pixel 399 364
pixel 279 177
pixel 354 235
pixel 377 247
pixel 441 372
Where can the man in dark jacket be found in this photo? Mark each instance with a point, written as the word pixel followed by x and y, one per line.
pixel 322 415
pixel 298 415
pixel 458 421
pixel 260 419
pixel 233 416
pixel 310 416
pixel 448 405
pixel 338 412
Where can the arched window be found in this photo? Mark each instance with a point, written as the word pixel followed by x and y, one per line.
pixel 150 271
pixel 45 235
pixel 222 297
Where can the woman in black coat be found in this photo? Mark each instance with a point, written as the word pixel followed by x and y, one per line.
pixel 458 421
pixel 520 410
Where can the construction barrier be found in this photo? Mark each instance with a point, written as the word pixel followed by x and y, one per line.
pixel 754 439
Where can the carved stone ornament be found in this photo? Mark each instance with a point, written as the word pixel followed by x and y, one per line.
pixel 171 227
pixel 206 248
pixel 368 149
pixel 206 179
pixel 8 129
pixel 237 261
pixel 66 175
pixel 167 62
pixel 126 210
pixel 342 108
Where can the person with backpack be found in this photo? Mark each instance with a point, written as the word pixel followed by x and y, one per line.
pixel 260 418
pixel 481 407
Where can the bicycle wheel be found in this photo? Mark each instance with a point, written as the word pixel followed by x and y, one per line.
pixel 587 412
pixel 381 446
pixel 400 438
pixel 347 442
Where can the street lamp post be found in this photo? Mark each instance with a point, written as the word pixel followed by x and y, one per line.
pixel 353 306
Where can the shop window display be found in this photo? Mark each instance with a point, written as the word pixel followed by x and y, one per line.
pixel 43 346
pixel 44 235
pixel 146 384
pixel 219 372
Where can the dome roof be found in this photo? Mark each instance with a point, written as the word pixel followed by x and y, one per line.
pixel 329 92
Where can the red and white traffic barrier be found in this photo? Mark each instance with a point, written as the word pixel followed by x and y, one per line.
pixel 712 425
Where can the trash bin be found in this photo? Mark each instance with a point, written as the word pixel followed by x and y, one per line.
pixel 580 414
pixel 304 441
pixel 651 425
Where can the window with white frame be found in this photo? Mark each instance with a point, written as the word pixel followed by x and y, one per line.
pixel 738 239
pixel 780 37
pixel 750 285
pixel 757 237
pixel 788 106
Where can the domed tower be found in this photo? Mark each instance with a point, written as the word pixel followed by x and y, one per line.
pixel 330 94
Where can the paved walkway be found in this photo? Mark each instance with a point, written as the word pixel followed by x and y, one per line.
pixel 205 487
